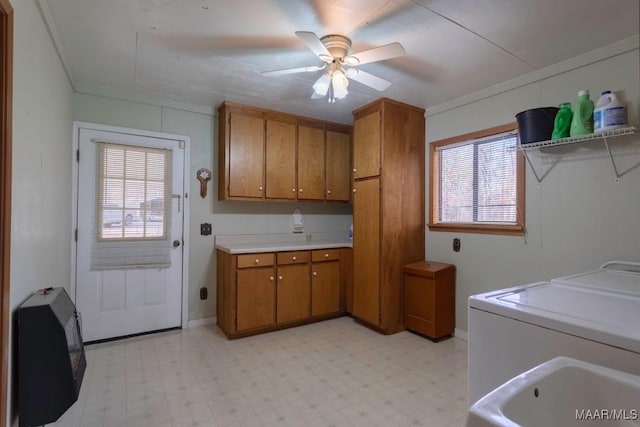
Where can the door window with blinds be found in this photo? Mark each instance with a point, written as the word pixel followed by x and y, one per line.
pixel 132 207
pixel 477 183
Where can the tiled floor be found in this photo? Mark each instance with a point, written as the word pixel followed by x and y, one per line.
pixel 330 373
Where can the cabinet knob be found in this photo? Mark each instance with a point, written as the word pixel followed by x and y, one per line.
pixel 257 261
pixel 294 258
pixel 315 273
pixel 279 277
pixel 293 190
pixel 259 188
pixel 354 190
pixel 326 255
pixel 328 191
pixel 271 278
pixel 354 170
pixel 300 190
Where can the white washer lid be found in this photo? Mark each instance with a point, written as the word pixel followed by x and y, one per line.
pixel 604 315
pixel 613 279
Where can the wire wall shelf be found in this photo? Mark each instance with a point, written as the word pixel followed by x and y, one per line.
pixel 630 130
pixel 581 138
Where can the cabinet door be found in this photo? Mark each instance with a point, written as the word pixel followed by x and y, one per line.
pixel 246 156
pixel 338 166
pixel 294 293
pixel 366 146
pixel 366 250
pixel 256 298
pixel 281 160
pixel 310 163
pixel 325 288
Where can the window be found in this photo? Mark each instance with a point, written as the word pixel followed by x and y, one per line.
pixel 133 207
pixel 477 183
pixel 133 183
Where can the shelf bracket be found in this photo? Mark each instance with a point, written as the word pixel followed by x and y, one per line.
pixel 539 178
pixel 613 162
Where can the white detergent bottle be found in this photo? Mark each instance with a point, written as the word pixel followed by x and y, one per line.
pixel 609 113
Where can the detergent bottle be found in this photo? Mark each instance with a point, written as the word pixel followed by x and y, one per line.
pixel 609 113
pixel 562 122
pixel 582 122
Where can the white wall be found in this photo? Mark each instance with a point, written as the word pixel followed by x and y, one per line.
pixel 226 217
pixel 41 199
pixel 578 217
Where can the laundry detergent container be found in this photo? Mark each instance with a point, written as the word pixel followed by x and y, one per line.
pixel 536 124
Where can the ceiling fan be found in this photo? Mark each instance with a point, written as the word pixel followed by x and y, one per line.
pixel 340 65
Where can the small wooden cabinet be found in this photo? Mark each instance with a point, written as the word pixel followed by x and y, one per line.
pixel 429 298
pixel 266 291
pixel 267 155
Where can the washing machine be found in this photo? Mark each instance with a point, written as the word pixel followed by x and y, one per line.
pixel 592 316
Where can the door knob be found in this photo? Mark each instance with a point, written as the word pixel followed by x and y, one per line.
pixel 176 243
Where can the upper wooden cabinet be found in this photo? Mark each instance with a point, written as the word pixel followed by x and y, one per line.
pixel 280 170
pixel 366 145
pixel 338 164
pixel 245 156
pixel 266 155
pixel 311 163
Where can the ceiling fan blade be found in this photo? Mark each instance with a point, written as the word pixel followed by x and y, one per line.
pixel 381 53
pixel 294 70
pixel 314 43
pixel 370 80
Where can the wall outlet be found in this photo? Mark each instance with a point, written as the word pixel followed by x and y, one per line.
pixel 456 245
pixel 205 229
pixel 204 293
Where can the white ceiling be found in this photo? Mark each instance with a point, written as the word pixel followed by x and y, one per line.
pixel 202 52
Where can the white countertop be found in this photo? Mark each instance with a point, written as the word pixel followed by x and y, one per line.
pixel 246 244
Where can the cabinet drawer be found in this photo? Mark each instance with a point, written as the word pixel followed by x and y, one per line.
pixel 325 255
pixel 298 257
pixel 255 260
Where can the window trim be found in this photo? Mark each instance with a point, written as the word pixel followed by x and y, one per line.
pixel 517 229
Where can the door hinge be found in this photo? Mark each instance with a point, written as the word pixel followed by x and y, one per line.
pixel 78 155
pixel 75 235
pixel 181 145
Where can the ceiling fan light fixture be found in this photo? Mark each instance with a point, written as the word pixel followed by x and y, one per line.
pixel 339 83
pixel 321 86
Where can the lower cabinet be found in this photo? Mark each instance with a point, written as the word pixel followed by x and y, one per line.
pixel 262 292
pixel 294 293
pixel 325 282
pixel 256 294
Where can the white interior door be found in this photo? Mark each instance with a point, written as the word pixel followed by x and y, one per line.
pixel 130 198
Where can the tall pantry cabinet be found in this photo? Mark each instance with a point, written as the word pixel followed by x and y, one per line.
pixel 388 208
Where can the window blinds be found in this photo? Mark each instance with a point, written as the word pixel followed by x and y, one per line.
pixel 133 207
pixel 477 180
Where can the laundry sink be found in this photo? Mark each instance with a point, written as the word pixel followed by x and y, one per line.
pixel 562 392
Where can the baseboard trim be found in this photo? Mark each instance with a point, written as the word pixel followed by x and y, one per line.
pixel 202 322
pixel 461 333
